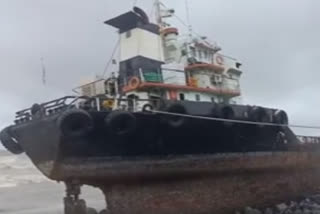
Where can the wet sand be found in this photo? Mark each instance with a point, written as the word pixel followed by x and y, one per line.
pixel 41 198
pixel 24 190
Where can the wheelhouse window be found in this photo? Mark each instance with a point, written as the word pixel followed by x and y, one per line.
pixel 200 54
pixel 181 96
pixel 198 97
pixel 206 54
pixel 193 51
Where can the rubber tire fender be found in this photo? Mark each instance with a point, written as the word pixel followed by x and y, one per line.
pixel 121 123
pixel 227 112
pixel 104 212
pixel 9 142
pixel 259 114
pixel 80 207
pixel 147 108
pixel 35 108
pixel 91 211
pixel 280 117
pixel 215 111
pixel 75 123
pixel 176 121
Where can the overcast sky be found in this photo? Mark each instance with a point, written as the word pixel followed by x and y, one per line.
pixel 277 41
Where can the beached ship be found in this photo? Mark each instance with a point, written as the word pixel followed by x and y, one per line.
pixel 154 134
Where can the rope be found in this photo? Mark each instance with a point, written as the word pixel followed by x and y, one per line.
pixel 234 121
pixel 111 58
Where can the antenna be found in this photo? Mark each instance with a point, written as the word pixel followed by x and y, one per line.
pixel 188 19
pixel 158 13
pixel 135 2
pixel 44 72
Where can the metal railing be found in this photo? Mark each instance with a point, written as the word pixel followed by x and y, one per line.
pixel 88 103
pixel 61 102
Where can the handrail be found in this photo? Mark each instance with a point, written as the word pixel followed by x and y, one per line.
pixel 62 102
pixel 56 102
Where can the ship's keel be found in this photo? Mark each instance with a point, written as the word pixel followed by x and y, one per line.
pixel 211 194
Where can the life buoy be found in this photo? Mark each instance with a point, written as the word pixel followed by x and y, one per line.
pixel 9 142
pixel 75 123
pixel 121 123
pixel 134 83
pixel 219 60
pixel 176 121
pixel 171 30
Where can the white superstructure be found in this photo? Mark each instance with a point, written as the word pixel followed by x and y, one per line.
pixel 156 62
pixel 140 42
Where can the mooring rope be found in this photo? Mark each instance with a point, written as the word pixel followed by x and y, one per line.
pixel 234 121
pixel 111 58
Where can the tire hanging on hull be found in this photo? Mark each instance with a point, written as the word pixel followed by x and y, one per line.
pixel 75 123
pixel 280 117
pixel 176 121
pixel 9 142
pixel 226 112
pixel 147 108
pixel 121 123
pixel 260 115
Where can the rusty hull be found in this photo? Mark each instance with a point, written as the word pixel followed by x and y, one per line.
pixel 198 184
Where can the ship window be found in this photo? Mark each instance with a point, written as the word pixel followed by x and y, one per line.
pixel 184 52
pixel 128 34
pixel 181 96
pixel 211 57
pixel 197 97
pixel 238 65
pixel 206 54
pixel 193 51
pixel 200 54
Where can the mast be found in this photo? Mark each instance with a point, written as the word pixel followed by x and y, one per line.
pixel 188 20
pixel 158 13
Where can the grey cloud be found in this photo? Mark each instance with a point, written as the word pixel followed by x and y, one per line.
pixel 276 40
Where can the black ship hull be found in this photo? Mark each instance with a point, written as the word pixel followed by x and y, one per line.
pixel 178 157
pixel 51 139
